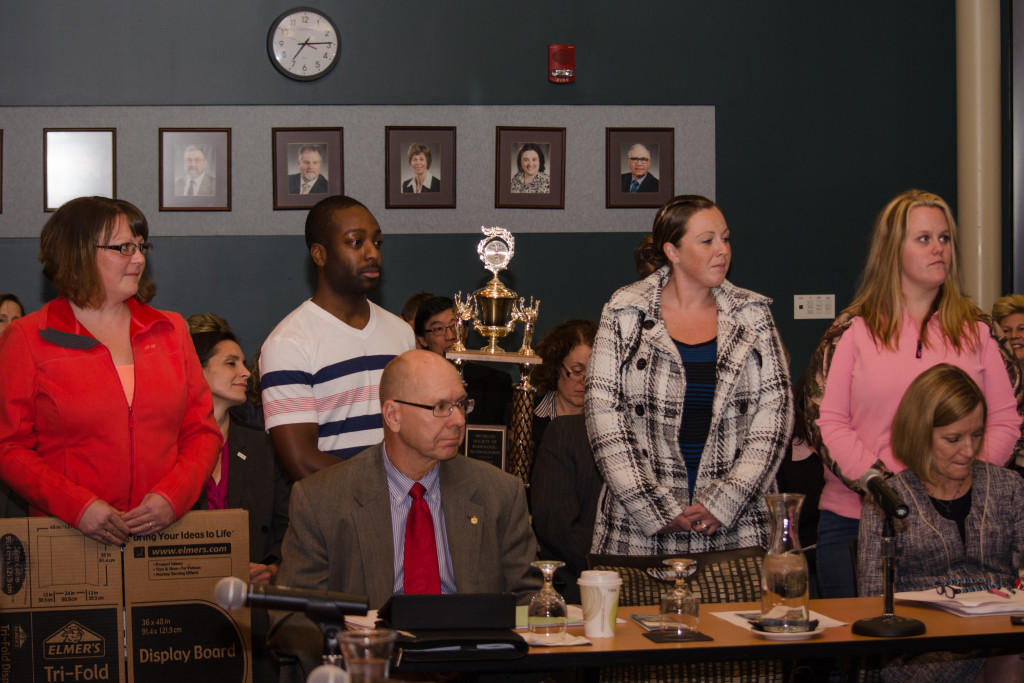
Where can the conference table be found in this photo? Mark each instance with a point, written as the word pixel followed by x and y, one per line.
pixel 944 631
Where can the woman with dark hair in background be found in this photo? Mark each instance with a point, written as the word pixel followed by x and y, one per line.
pixel 964 520
pixel 560 379
pixel 10 310
pixel 106 421
pixel 531 178
pixel 909 314
pixel 688 400
pixel 247 475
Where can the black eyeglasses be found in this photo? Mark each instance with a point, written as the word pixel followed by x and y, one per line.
pixel 576 375
pixel 440 330
pixel 128 248
pixel 444 408
pixel 640 160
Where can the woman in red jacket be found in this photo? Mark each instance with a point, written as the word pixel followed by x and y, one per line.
pixel 105 418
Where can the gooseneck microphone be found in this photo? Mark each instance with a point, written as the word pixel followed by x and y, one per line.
pixel 231 593
pixel 873 481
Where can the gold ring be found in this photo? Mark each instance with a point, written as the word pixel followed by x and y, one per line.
pixel 151 526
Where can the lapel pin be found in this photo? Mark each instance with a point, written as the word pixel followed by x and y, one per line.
pixel 241 455
pixel 473 520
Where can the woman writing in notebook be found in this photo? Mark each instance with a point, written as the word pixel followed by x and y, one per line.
pixel 964 523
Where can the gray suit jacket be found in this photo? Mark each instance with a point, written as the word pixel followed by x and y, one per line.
pixel 340 537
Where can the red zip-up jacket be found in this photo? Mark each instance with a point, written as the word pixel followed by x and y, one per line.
pixel 67 433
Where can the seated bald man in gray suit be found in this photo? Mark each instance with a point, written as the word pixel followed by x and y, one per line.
pixel 348 522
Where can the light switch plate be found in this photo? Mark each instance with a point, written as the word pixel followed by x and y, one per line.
pixel 807 306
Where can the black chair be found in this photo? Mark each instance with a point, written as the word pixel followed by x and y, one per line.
pixel 720 576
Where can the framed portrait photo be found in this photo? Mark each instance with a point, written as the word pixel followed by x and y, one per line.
pixel 420 168
pixel 640 167
pixel 530 172
pixel 308 166
pixel 78 162
pixel 195 169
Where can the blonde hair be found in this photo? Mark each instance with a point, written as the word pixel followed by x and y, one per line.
pixel 939 396
pixel 1006 306
pixel 879 297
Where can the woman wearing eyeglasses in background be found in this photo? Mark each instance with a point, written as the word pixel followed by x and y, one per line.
pixel 105 418
pixel 688 400
pixel 560 378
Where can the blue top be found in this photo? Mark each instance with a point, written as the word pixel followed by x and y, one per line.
pixel 699 365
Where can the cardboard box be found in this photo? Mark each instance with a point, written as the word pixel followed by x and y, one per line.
pixel 65 600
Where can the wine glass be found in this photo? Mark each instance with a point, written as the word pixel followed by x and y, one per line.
pixel 547 615
pixel 679 612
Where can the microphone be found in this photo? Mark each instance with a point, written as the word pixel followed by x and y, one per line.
pixel 231 593
pixel 873 481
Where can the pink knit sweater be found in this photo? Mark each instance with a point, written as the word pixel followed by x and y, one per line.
pixel 864 387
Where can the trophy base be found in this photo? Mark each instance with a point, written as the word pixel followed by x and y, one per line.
pixel 494 357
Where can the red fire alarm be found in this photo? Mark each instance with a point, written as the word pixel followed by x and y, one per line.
pixel 561 63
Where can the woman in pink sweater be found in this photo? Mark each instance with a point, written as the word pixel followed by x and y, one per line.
pixel 909 314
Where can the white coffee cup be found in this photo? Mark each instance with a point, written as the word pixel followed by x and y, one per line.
pixel 599 591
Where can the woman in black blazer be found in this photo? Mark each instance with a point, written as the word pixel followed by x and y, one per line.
pixel 248 475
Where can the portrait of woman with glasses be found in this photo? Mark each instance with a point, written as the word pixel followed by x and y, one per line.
pixel 688 401
pixel 106 419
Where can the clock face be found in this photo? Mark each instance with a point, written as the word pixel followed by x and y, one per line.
pixel 303 44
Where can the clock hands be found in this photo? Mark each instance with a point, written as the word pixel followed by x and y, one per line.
pixel 306 43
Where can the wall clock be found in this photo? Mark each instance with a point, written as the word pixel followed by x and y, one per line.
pixel 303 44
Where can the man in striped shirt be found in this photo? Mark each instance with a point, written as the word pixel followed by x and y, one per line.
pixel 321 366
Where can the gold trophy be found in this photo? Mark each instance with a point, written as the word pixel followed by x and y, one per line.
pixel 495 304
pixel 494 310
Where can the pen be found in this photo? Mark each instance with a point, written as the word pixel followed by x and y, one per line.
pixel 996 591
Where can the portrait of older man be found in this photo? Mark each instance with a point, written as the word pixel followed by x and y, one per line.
pixel 196 182
pixel 308 180
pixel 639 178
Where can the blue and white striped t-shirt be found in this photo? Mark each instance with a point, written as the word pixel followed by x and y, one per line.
pixel 315 368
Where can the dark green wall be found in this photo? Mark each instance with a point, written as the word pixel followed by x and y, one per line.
pixel 824 110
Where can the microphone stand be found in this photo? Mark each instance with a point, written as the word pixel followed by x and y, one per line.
pixel 888 625
pixel 325 615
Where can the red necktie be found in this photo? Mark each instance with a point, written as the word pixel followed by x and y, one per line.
pixel 421 572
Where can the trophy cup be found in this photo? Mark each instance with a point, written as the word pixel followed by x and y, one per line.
pixel 494 311
pixel 495 303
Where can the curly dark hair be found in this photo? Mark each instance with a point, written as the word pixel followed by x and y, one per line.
pixel 558 343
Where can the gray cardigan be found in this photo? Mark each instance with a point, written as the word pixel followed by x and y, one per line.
pixel 929 549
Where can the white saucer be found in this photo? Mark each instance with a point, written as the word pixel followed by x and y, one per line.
pixel 799 635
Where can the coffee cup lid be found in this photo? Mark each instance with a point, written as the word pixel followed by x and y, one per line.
pixel 602 577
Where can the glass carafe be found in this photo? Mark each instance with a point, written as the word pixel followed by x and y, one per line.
pixel 784 580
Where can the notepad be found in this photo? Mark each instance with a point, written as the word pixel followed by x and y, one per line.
pixel 973 604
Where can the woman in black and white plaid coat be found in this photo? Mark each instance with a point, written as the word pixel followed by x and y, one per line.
pixel 637 390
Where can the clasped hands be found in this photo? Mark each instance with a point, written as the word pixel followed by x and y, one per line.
pixel 103 523
pixel 695 518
